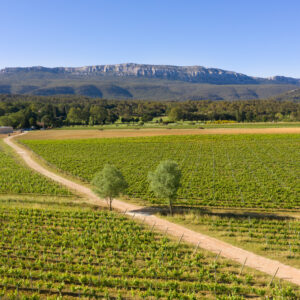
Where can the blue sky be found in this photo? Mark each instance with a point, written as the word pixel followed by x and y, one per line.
pixel 259 38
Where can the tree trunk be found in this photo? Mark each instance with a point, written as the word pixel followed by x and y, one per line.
pixel 110 202
pixel 171 206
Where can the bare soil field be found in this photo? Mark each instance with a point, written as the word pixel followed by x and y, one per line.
pixel 81 134
pixel 2 136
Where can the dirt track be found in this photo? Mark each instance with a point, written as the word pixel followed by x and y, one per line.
pixel 254 261
pixel 81 134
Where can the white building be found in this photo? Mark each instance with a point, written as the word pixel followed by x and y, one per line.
pixel 6 130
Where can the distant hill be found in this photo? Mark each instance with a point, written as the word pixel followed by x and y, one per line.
pixel 293 95
pixel 137 81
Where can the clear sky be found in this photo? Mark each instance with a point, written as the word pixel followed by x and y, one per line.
pixel 255 37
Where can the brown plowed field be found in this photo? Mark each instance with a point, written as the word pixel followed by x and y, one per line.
pixel 81 134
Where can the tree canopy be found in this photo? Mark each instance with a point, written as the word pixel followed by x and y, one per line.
pixel 165 181
pixel 21 111
pixel 109 183
pixel 176 114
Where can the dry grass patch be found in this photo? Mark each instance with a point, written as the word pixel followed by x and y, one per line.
pixel 267 234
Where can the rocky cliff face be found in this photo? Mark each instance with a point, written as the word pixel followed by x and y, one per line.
pixel 284 80
pixel 148 82
pixel 188 74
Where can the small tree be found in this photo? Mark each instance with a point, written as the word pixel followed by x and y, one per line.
pixel 109 183
pixel 165 181
pixel 176 114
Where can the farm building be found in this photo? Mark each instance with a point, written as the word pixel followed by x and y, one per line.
pixel 6 129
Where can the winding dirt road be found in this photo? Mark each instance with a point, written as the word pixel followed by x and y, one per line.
pixel 226 250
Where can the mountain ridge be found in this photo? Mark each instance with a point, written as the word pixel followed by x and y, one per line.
pixel 195 73
pixel 143 81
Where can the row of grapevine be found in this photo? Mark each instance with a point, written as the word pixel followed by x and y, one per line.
pixel 17 179
pixel 75 252
pixel 221 171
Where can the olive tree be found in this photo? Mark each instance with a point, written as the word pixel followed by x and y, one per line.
pixel 165 181
pixel 109 183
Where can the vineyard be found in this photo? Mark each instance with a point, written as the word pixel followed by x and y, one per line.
pixel 17 179
pixel 250 171
pixel 81 252
pixel 277 237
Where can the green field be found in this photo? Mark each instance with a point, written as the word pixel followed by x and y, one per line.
pixel 56 247
pixel 18 179
pixel 83 252
pixel 270 235
pixel 248 171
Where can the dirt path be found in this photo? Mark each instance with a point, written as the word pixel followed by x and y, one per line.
pixel 226 250
pixel 115 133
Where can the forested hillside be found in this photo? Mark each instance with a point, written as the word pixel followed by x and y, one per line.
pixel 293 95
pixel 143 82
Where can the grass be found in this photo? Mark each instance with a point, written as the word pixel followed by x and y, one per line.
pixel 184 125
pixel 41 201
pixel 273 235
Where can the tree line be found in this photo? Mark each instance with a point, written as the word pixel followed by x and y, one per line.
pixel 24 111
